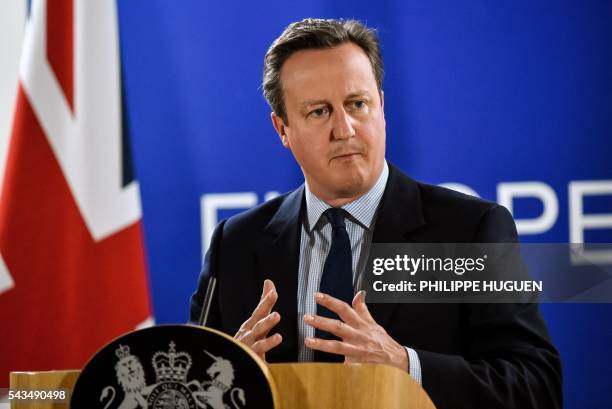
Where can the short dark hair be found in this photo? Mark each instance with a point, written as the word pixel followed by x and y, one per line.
pixel 314 33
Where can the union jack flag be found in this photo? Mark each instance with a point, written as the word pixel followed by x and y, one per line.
pixel 72 267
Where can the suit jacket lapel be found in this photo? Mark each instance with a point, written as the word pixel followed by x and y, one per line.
pixel 280 255
pixel 400 214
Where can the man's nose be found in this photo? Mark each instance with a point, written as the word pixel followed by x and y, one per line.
pixel 342 125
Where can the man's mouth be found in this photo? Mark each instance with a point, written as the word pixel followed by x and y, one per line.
pixel 345 155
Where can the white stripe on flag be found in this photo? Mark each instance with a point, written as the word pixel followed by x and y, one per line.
pixel 12 22
pixel 6 281
pixel 149 322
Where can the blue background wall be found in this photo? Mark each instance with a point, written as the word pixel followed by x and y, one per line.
pixel 476 92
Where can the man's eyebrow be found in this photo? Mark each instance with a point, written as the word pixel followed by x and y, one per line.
pixel 358 94
pixel 310 102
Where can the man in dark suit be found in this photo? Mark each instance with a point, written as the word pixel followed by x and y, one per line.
pixel 323 80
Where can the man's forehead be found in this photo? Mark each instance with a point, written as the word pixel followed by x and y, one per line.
pixel 347 56
pixel 312 75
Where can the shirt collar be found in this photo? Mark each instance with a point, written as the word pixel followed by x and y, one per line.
pixel 362 210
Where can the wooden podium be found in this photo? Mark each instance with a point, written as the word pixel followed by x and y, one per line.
pixel 298 386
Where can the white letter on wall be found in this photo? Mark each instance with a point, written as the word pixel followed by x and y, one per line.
pixel 271 195
pixel 579 222
pixel 211 203
pixel 508 191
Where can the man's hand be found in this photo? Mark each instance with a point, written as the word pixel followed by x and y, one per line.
pixel 254 331
pixel 362 339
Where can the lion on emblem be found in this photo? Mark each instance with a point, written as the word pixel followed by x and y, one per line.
pixel 131 377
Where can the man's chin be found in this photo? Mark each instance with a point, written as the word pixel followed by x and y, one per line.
pixel 349 187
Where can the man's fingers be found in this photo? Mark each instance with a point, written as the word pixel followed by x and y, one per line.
pixel 336 327
pixel 261 329
pixel 360 306
pixel 262 310
pixel 264 345
pixel 344 311
pixel 333 347
pixel 268 286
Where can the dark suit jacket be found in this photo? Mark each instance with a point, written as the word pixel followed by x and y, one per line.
pixel 472 355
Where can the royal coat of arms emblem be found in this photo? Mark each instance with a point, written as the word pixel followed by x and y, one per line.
pixel 172 387
pixel 172 371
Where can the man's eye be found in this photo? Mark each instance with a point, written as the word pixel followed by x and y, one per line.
pixel 319 112
pixel 359 104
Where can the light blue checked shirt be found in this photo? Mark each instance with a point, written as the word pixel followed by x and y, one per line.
pixel 314 248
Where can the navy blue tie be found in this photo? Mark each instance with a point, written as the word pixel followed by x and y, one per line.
pixel 337 278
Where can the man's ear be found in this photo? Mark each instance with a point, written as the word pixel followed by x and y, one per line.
pixel 280 127
pixel 382 104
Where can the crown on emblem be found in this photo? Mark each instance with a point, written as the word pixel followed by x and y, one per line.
pixel 122 352
pixel 171 366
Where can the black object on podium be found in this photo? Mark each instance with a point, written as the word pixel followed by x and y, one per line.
pixel 173 366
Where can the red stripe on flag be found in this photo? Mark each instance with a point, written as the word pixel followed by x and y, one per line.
pixel 60 45
pixel 72 295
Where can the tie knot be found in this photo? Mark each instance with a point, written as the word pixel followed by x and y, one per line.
pixel 336 216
